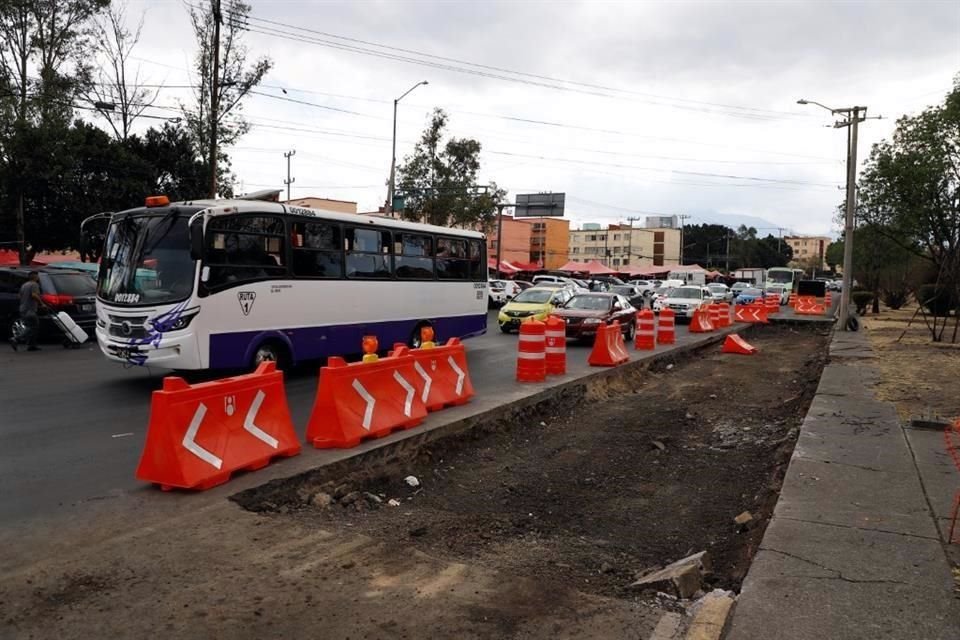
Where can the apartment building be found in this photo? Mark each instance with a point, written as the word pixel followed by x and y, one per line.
pixel 806 247
pixel 549 241
pixel 624 246
pixel 515 237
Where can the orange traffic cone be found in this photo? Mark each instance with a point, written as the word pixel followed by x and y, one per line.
pixel 556 349
pixel 666 327
pixel 735 344
pixel 531 352
pixel 646 336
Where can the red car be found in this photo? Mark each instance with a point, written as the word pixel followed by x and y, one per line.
pixel 585 312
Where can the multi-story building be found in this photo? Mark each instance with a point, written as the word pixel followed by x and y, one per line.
pixel 549 241
pixel 807 247
pixel 340 206
pixel 623 246
pixel 515 240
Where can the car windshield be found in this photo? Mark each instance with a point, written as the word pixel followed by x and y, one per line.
pixel 534 296
pixel 151 245
pixel 589 303
pixel 717 288
pixel 73 284
pixel 751 292
pixel 623 290
pixel 686 293
pixel 740 285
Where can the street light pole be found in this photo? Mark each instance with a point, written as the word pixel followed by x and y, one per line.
pixel 393 153
pixel 289 180
pixel 853 117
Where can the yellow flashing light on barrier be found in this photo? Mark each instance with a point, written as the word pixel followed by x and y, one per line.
pixel 370 346
pixel 426 338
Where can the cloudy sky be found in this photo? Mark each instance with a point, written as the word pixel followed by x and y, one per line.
pixel 630 108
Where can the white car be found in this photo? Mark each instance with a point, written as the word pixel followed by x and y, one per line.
pixel 683 301
pixel 720 292
pixel 502 292
pixel 781 291
pixel 547 279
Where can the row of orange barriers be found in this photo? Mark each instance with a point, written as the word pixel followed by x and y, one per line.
pixel 199 435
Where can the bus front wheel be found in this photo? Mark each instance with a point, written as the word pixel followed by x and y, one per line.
pixel 271 351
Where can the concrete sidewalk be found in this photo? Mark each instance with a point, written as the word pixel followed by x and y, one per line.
pixel 853 549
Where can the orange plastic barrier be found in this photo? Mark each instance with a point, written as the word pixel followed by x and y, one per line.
pixel 667 327
pixel 556 346
pixel 200 434
pixel 736 344
pixel 646 331
pixel 364 400
pixel 751 313
pixel 714 309
pixel 808 306
pixel 772 303
pixel 792 302
pixel 532 352
pixel 725 320
pixel 608 347
pixel 442 377
pixel 700 322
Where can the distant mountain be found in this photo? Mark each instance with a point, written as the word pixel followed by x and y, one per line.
pixel 734 220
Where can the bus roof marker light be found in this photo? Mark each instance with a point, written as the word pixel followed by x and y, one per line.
pixel 157 201
pixel 370 346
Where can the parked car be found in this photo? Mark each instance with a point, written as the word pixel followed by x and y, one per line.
pixel 737 287
pixel 61 289
pixel 657 296
pixel 684 301
pixel 585 312
pixel 537 302
pixel 545 278
pixel 523 284
pixel 646 286
pixel 632 293
pixel 748 295
pixel 501 291
pixel 609 280
pixel 720 292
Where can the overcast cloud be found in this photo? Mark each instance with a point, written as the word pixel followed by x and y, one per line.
pixel 665 139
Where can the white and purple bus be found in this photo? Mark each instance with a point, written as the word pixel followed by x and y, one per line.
pixel 228 284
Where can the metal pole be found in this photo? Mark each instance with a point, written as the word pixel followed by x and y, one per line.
pixel 289 180
pixel 848 226
pixel 393 164
pixel 728 253
pixel 499 235
pixel 215 98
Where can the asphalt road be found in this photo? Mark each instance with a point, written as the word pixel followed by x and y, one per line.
pixel 73 424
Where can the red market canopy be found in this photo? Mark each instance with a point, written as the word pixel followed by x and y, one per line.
pixel 648 271
pixel 526 266
pixel 593 268
pixel 505 267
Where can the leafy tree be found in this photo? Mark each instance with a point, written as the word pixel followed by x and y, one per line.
pixel 439 181
pixel 705 244
pixel 834 255
pixel 909 191
pixel 236 79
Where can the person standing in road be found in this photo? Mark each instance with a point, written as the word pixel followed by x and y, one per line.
pixel 30 302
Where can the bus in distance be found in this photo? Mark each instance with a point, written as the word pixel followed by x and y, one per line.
pixel 232 283
pixel 781 276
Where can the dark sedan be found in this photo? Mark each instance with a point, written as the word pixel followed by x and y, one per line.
pixel 61 289
pixel 585 312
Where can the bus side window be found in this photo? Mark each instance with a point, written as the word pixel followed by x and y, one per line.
pixel 453 262
pixel 478 270
pixel 319 250
pixel 244 248
pixel 413 257
pixel 368 253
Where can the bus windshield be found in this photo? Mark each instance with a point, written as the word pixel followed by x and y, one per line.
pixel 780 276
pixel 146 260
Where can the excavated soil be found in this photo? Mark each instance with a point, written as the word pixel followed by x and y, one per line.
pixel 601 492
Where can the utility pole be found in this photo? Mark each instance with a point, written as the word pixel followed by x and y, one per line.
pixel 21 125
pixel 289 180
pixel 393 154
pixel 728 252
pixel 500 208
pixel 630 221
pixel 853 117
pixel 215 97
pixel 682 216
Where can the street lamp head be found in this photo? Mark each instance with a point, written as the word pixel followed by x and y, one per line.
pixel 425 82
pixel 802 101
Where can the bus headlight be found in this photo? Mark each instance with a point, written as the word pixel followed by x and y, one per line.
pixel 176 322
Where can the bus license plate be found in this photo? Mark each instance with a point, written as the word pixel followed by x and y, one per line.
pixel 85 307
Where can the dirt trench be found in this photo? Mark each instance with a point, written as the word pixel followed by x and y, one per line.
pixel 598 492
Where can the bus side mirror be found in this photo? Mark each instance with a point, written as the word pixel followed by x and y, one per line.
pixel 196 240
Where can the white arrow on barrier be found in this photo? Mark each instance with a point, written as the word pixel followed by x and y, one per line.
pixel 190 444
pixel 369 399
pixel 427 381
pixel 460 374
pixel 252 428
pixel 408 401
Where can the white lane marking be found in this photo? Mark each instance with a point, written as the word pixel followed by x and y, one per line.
pixel 427 381
pixel 408 401
pixel 190 444
pixel 252 428
pixel 122 435
pixel 460 374
pixel 369 399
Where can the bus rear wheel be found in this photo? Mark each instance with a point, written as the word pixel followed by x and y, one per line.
pixel 271 351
